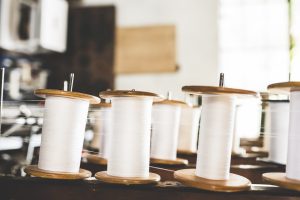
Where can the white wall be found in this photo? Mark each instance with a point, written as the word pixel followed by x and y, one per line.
pixel 197 44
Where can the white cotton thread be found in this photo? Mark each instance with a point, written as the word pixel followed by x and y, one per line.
pixel 247 121
pixel 165 129
pixel 129 153
pixel 293 158
pixel 189 129
pixel 215 139
pixel 102 131
pixel 279 128
pixel 63 134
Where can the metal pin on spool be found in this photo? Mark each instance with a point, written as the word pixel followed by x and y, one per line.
pixel 71 82
pixel 221 80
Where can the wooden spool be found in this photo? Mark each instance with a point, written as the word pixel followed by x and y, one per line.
pixel 277 178
pixel 103 176
pixel 95 159
pixel 178 161
pixel 33 170
pixel 152 179
pixel 235 183
pixel 280 179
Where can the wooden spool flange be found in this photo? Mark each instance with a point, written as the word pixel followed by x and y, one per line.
pixel 73 95
pixel 178 161
pixel 152 179
pixel 280 179
pixel 198 90
pixel 235 183
pixel 95 159
pixel 284 87
pixel 186 152
pixel 33 170
pixel 129 93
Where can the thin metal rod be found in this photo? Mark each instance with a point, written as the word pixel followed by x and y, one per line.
pixel 71 82
pixel 221 80
pixel 1 97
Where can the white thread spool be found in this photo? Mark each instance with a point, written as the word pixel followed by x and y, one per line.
pixel 278 135
pixel 189 129
pixel 165 129
pixel 293 158
pixel 215 139
pixel 64 123
pixel 247 121
pixel 102 129
pixel 129 154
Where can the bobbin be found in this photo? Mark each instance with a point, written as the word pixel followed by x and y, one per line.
pixel 174 107
pixel 99 141
pixel 34 170
pixel 188 130
pixel 282 179
pixel 233 182
pixel 115 176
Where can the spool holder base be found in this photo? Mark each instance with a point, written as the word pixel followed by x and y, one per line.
pixel 33 170
pixel 280 179
pixel 104 177
pixel 235 183
pixel 95 159
pixel 178 161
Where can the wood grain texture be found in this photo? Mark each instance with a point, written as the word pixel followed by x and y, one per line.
pixel 152 179
pixel 178 161
pixel 145 49
pixel 280 179
pixel 74 95
pixel 33 170
pixel 216 90
pixel 235 183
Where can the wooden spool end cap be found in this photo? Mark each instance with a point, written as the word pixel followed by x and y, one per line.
pixel 104 177
pixel 198 90
pixel 129 93
pixel 74 95
pixel 33 170
pixel 178 161
pixel 235 183
pixel 186 152
pixel 172 102
pixel 95 159
pixel 280 179
pixel 284 87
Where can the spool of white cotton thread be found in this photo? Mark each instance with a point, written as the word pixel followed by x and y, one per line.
pixel 215 139
pixel 129 154
pixel 102 128
pixel 63 129
pixel 278 135
pixel 165 129
pixel 293 158
pixel 189 129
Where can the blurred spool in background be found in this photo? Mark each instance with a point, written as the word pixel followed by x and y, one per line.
pixel 189 129
pixel 165 129
pixel 279 128
pixel 247 121
pixel 102 128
